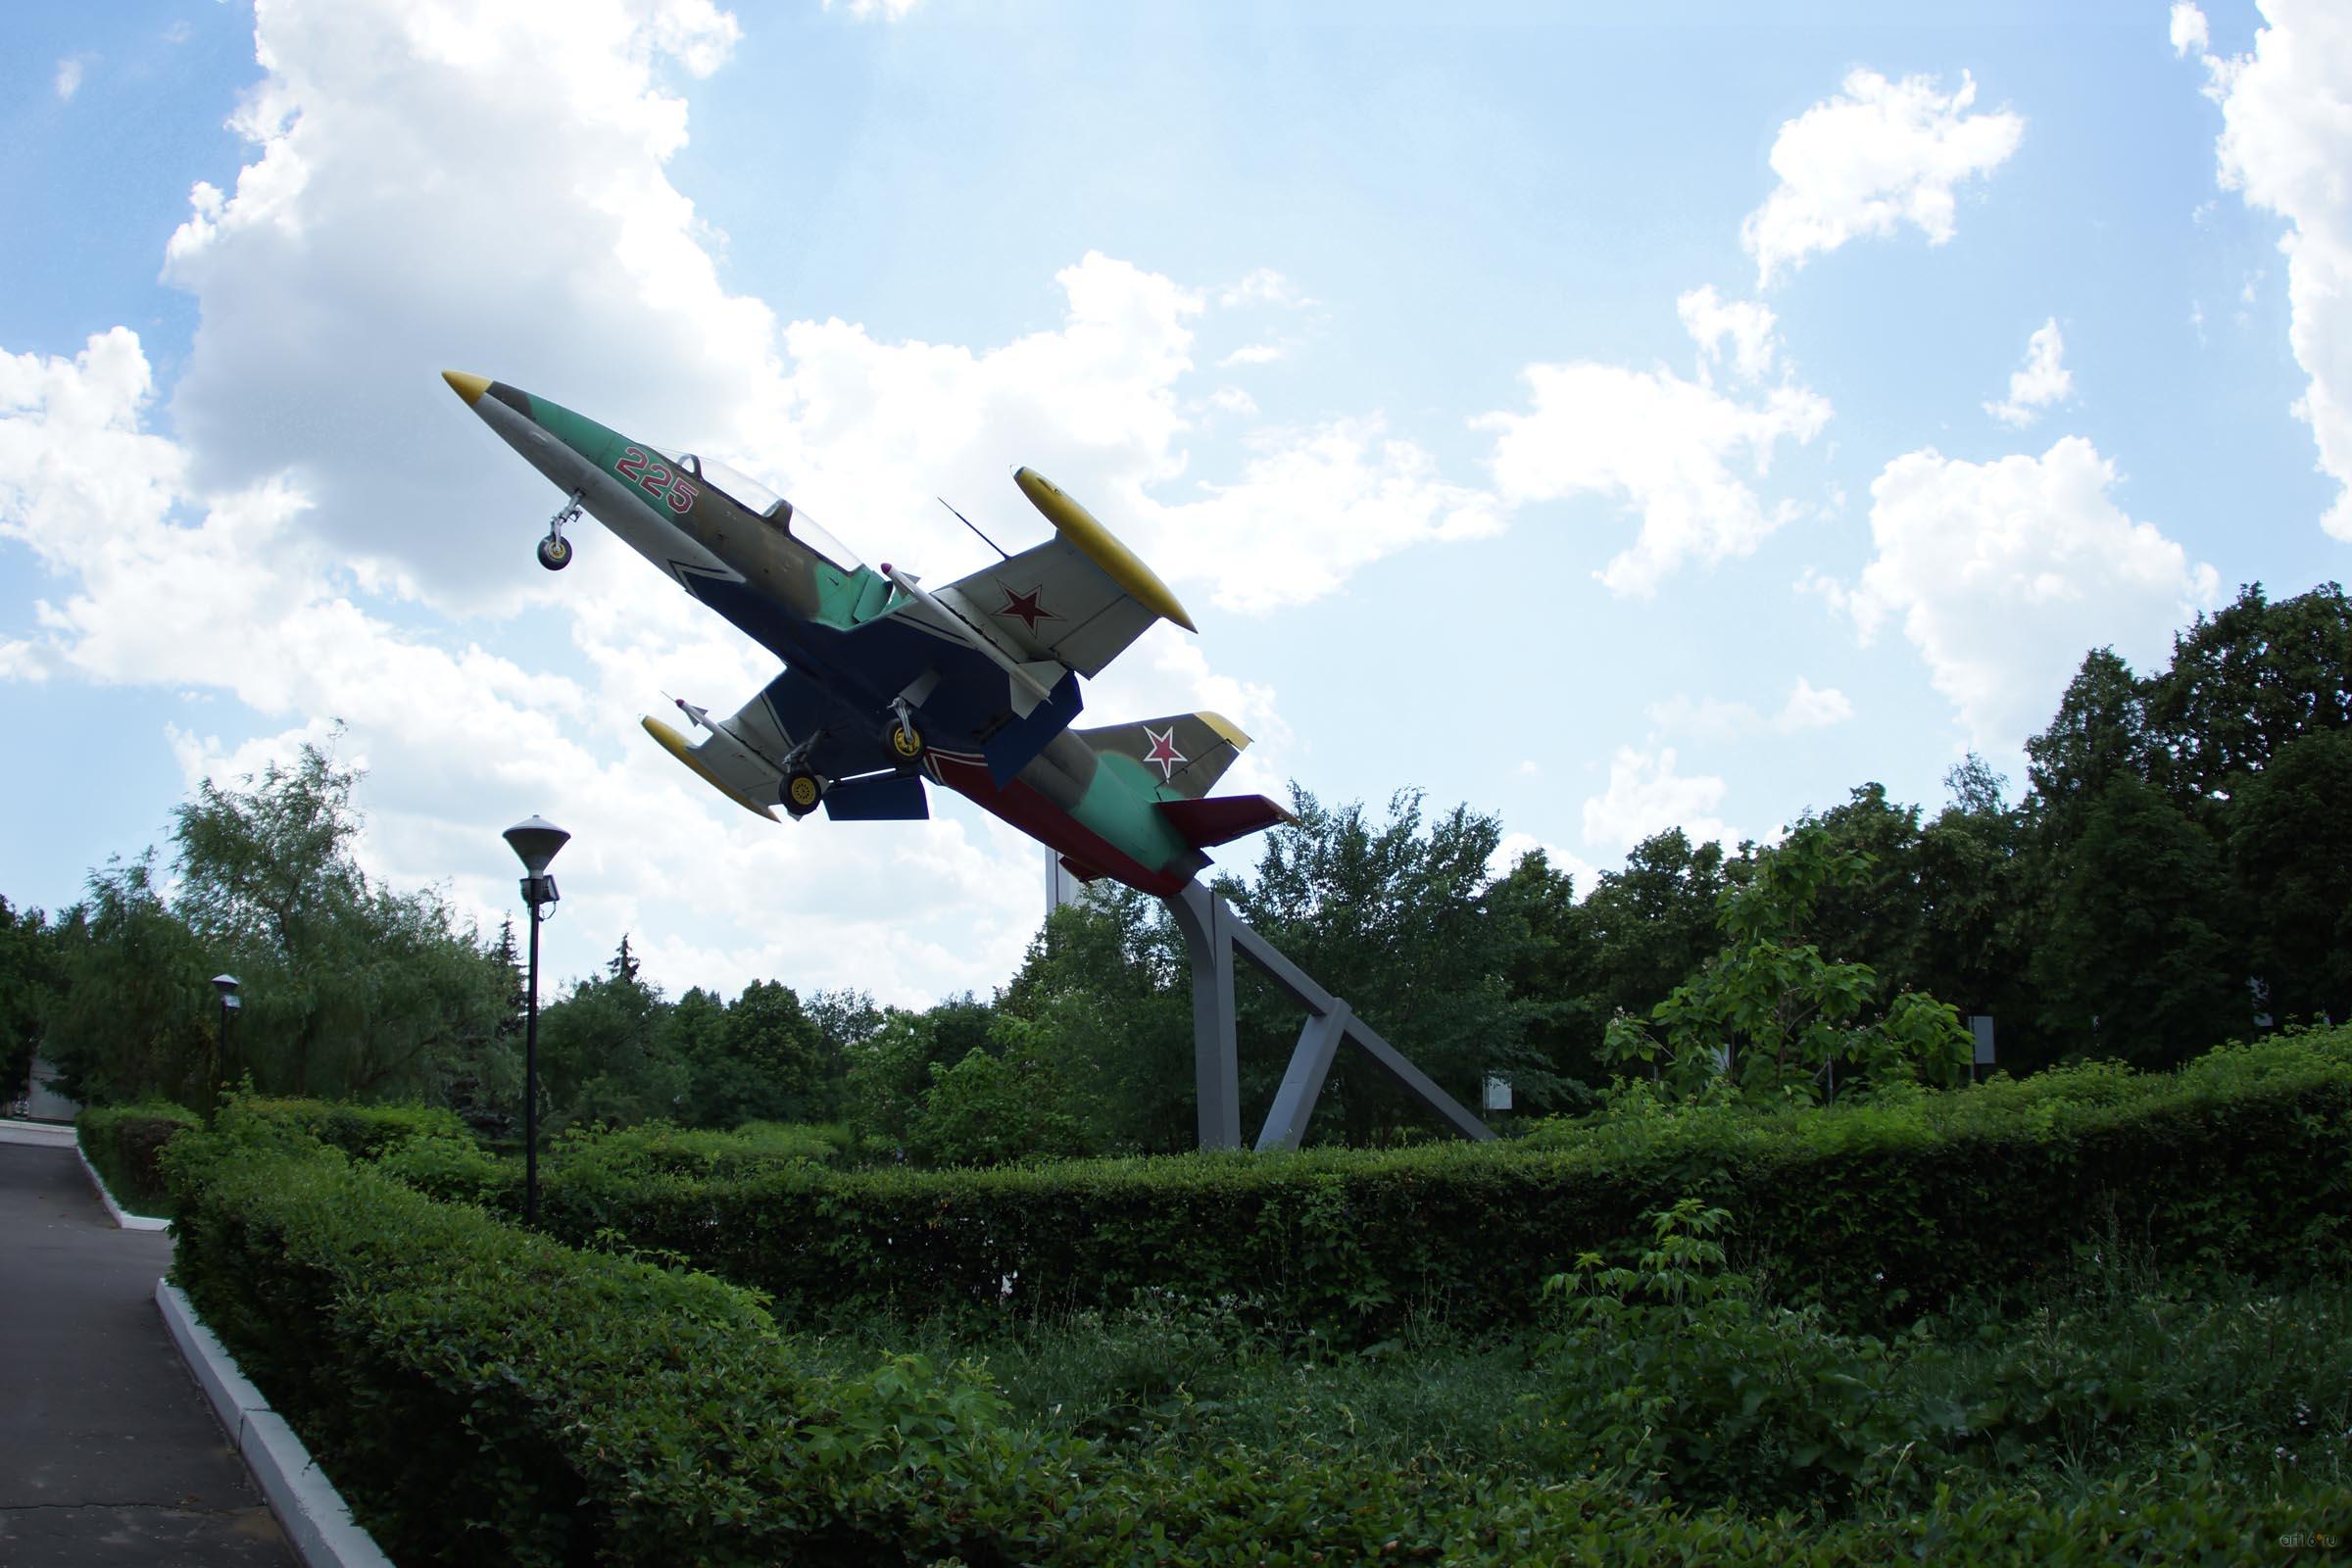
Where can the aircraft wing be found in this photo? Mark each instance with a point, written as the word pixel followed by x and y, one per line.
pixel 742 755
pixel 1079 599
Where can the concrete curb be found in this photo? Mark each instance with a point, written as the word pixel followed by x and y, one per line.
pixel 123 1218
pixel 307 1504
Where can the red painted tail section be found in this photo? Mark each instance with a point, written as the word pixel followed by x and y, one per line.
pixel 1221 819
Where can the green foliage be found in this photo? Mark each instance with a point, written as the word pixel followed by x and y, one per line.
pixel 486 1395
pixel 988 1110
pixel 2136 960
pixel 30 974
pixel 134 1018
pixel 1876 1208
pixel 1393 917
pixel 1770 1014
pixel 125 1144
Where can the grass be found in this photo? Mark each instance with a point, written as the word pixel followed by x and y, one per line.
pixel 2118 1372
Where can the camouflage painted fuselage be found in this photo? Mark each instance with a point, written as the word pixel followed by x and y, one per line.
pixel 1092 796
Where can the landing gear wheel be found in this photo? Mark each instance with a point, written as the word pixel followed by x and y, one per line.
pixel 801 792
pixel 905 741
pixel 555 554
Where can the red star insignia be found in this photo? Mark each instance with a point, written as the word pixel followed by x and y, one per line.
pixel 1163 751
pixel 1024 607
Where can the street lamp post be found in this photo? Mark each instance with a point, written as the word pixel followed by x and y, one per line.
pixel 535 841
pixel 227 984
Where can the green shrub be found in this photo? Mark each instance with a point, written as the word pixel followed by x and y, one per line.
pixel 487 1396
pixel 124 1143
pixel 1878 1209
pixel 363 1131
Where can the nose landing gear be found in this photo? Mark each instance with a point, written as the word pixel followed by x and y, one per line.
pixel 555 551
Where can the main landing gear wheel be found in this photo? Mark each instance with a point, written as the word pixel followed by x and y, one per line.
pixel 905 741
pixel 801 792
pixel 555 553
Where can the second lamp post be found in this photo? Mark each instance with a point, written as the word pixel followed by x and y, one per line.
pixel 535 841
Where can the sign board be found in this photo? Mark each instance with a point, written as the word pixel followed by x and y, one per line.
pixel 1498 1093
pixel 1981 1025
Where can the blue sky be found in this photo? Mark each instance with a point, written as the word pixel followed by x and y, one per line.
pixel 1612 423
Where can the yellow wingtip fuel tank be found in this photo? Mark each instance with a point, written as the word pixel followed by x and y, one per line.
pixel 1098 544
pixel 676 746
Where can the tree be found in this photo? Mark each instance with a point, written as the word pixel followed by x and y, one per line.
pixel 2099 734
pixel 1394 918
pixel 1105 995
pixel 891 1068
pixel 349 989
pixel 28 979
pixel 598 1051
pixel 775 1055
pixel 2134 961
pixel 1652 923
pixel 992 1108
pixel 1554 979
pixel 1770 1011
pixel 2246 683
pixel 844 1019
pixel 133 1016
pixel 2291 849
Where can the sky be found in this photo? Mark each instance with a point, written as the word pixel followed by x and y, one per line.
pixel 1612 420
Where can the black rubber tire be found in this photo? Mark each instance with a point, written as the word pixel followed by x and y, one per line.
pixel 803 793
pixel 555 554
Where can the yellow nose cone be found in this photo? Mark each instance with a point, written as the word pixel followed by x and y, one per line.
pixel 469 387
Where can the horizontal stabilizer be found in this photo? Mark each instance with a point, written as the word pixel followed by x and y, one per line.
pixel 878 798
pixel 1204 824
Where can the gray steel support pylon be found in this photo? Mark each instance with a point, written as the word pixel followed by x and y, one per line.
pixel 1214 934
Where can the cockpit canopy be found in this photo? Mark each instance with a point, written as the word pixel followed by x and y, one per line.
pixel 757 499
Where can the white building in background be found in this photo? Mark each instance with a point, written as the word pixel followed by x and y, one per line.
pixel 1060 887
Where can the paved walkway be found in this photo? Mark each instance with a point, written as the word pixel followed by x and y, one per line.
pixel 109 1453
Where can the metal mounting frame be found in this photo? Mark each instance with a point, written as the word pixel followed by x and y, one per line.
pixel 1214 934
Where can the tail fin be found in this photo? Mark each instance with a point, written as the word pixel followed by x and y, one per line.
pixel 1185 754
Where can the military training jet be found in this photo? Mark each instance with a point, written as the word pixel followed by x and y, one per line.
pixel 887 682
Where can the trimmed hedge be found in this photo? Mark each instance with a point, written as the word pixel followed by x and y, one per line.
pixel 486 1395
pixel 2241 1162
pixel 124 1143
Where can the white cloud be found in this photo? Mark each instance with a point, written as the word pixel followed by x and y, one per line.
pixel 329 519
pixel 369 243
pixel 1311 507
pixel 1663 446
pixel 1645 796
pixel 1265 286
pixel 1808 708
pixel 1747 323
pixel 1877 154
pixel 1252 354
pixel 868 10
pixel 2003 574
pixel 2286 142
pixel 1517 846
pixel 67 80
pixel 1233 400
pixel 2042 381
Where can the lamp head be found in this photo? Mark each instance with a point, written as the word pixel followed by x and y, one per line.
pixel 226 984
pixel 535 841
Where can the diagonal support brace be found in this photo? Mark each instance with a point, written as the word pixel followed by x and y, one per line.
pixel 1213 934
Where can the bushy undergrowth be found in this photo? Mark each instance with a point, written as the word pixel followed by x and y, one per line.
pixel 490 1395
pixel 1879 1210
pixel 125 1142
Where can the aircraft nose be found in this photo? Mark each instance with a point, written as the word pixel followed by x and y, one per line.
pixel 469 387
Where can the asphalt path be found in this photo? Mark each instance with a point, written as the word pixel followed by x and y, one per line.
pixel 109 1453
